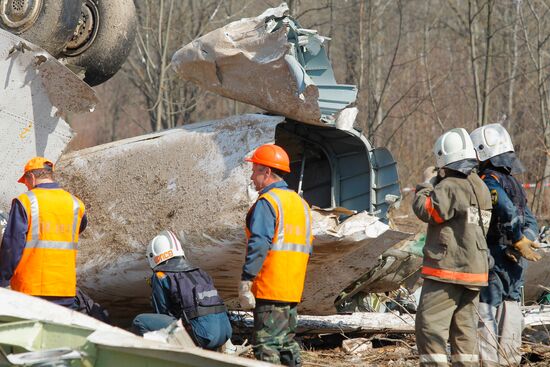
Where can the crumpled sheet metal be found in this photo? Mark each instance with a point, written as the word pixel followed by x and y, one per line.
pixel 64 89
pixel 252 61
pixel 200 189
pixel 104 345
pixel 36 90
pixel 192 180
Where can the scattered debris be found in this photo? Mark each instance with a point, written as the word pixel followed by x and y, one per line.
pixel 43 332
pixel 356 346
pixel 200 189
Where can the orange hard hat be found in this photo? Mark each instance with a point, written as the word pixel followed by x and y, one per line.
pixel 35 163
pixel 271 155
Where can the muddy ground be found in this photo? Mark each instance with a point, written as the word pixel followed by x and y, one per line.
pixel 391 350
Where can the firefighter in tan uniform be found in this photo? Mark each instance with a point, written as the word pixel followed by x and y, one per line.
pixel 456 204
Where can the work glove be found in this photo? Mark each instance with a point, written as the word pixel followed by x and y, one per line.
pixel 430 175
pixel 246 298
pixel 526 248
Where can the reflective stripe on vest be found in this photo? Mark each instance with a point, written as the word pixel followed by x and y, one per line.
pixel 474 278
pixel 280 244
pixel 283 272
pixel 35 242
pixel 48 262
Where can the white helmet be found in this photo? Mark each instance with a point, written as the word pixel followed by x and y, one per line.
pixel 163 247
pixel 491 140
pixel 453 146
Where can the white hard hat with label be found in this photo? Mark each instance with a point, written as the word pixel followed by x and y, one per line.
pixel 490 141
pixel 163 247
pixel 453 146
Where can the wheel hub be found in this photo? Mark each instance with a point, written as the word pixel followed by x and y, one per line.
pixel 85 31
pixel 18 15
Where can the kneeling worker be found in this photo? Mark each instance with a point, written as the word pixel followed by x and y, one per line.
pixel 183 291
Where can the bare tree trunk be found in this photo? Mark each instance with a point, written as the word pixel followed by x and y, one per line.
pixel 425 62
pixel 486 71
pixel 361 44
pixel 514 62
pixel 538 59
pixel 472 30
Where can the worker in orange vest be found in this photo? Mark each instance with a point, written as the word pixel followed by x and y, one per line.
pixel 279 243
pixel 38 253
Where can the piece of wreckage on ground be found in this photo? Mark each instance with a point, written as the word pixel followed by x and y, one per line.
pixel 193 179
pixel 45 334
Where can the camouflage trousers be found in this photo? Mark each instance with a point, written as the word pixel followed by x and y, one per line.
pixel 274 331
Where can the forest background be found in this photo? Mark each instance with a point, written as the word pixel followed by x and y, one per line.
pixel 421 66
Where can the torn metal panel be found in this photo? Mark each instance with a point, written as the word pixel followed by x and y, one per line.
pixel 334 265
pixel 194 181
pixel 36 90
pixel 268 61
pixel 36 308
pixel 396 267
pixel 37 331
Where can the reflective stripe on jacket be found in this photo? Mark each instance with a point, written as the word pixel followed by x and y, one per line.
pixel 48 264
pixel 458 211
pixel 283 272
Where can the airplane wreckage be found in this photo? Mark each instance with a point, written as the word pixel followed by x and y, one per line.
pixel 194 181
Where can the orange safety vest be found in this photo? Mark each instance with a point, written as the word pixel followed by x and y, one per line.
pixel 283 272
pixel 48 263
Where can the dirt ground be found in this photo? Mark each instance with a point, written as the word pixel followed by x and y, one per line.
pixel 387 350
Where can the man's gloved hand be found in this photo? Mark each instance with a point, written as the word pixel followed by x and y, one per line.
pixel 526 248
pixel 246 298
pixel 430 174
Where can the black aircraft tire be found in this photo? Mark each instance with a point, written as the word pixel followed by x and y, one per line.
pixel 53 27
pixel 114 38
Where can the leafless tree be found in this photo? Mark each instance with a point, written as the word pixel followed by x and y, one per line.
pixel 164 25
pixel 536 31
pixel 421 67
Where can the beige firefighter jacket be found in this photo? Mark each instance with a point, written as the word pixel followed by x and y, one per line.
pixel 456 250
